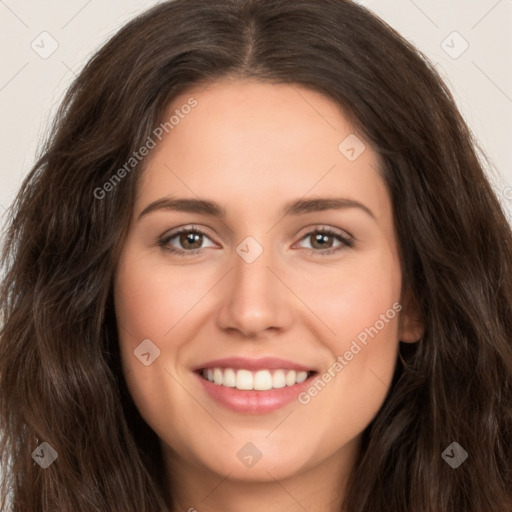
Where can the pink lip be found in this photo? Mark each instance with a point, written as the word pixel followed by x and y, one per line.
pixel 265 363
pixel 250 401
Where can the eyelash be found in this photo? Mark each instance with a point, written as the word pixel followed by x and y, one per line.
pixel 345 242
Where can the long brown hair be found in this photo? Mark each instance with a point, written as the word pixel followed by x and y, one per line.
pixel 60 374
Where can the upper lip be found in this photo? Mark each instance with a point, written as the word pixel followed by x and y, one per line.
pixel 264 363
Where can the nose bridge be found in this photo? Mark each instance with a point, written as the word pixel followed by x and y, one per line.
pixel 254 298
pixel 251 274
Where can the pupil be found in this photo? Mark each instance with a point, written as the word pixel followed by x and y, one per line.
pixel 321 237
pixel 190 238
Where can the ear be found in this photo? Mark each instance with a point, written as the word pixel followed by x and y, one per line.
pixel 411 327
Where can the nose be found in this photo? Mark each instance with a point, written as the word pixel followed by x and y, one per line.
pixel 255 298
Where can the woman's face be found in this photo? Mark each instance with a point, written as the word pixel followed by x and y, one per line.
pixel 261 280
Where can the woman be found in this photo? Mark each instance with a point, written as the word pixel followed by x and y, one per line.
pixel 373 373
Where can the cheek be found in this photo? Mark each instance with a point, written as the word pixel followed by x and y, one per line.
pixel 362 308
pixel 146 308
pixel 152 298
pixel 358 298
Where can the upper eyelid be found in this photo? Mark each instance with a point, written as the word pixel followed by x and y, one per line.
pixel 330 230
pixel 185 229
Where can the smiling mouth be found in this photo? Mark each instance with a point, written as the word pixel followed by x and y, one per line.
pixel 260 380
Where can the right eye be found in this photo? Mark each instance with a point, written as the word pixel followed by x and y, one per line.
pixel 186 237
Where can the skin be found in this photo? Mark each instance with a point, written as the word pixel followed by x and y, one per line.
pixel 252 148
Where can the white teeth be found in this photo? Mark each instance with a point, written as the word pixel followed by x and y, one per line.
pixel 301 377
pixel 291 378
pixel 229 378
pixel 217 376
pixel 279 379
pixel 243 379
pixel 261 380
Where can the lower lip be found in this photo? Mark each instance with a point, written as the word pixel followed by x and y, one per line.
pixel 254 402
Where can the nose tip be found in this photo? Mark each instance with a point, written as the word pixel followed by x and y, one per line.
pixel 253 300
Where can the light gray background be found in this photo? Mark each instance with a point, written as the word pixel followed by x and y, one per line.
pixel 31 87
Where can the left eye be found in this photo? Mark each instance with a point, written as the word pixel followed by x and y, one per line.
pixel 321 237
pixel 190 240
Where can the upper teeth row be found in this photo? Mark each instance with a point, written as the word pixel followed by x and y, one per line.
pixel 259 381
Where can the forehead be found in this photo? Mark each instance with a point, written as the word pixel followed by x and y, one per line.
pixel 247 141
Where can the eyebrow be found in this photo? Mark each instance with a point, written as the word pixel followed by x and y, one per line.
pixel 297 207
